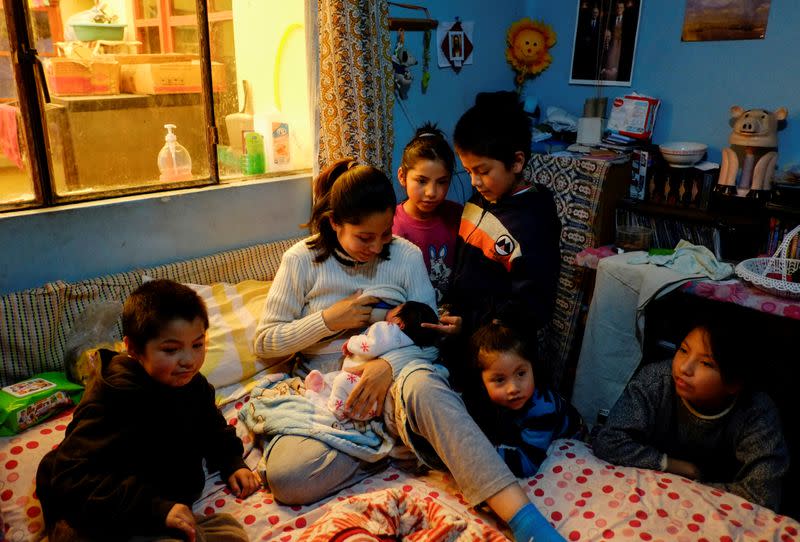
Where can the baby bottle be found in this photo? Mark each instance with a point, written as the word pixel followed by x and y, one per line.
pixel 174 161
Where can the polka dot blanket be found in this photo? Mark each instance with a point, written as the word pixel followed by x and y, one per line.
pixel 584 498
pixel 588 499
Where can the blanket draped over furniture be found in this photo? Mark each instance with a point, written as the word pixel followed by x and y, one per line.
pixel 576 186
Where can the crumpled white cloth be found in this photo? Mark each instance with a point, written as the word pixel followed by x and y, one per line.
pixel 688 259
pixel 560 120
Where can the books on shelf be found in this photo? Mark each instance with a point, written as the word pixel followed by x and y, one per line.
pixel 668 231
pixel 778 229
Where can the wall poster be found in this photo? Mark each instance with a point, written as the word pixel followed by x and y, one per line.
pixel 604 48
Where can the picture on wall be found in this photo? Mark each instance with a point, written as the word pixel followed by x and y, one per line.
pixel 604 48
pixel 717 20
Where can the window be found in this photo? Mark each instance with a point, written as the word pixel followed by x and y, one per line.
pixel 103 99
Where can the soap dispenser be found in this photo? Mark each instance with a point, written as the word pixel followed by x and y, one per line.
pixel 174 161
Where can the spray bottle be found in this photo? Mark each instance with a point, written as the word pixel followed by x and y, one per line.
pixel 174 161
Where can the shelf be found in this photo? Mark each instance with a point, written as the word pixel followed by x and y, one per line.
pixel 721 216
pixel 783 211
pixel 75 104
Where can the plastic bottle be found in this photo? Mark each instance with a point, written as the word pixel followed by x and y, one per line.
pixel 253 157
pixel 277 141
pixel 174 161
pixel 239 123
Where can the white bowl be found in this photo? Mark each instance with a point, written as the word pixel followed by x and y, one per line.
pixel 683 153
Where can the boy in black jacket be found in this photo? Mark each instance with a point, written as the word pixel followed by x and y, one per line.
pixel 131 463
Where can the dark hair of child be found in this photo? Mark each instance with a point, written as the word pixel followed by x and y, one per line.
pixel 414 313
pixel 346 193
pixel 428 143
pixel 497 126
pixel 153 305
pixel 497 336
pixel 725 339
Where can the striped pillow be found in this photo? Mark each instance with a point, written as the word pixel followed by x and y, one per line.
pixel 233 313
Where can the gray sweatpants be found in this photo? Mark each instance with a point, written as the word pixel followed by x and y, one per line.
pixel 302 470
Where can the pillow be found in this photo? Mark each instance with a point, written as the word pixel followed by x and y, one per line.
pixel 234 311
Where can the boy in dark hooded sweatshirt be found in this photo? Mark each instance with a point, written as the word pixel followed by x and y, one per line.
pixel 131 463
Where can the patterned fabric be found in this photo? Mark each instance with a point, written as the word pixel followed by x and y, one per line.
pixel 395 514
pixel 355 82
pixel 576 186
pixel 741 293
pixel 35 324
pixel 589 499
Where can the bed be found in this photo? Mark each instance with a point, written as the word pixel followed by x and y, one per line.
pixel 584 498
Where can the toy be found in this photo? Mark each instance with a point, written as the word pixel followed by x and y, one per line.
pixel 749 163
pixel 401 61
pixel 528 51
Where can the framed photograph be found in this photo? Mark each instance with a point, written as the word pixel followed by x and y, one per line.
pixel 456 39
pixel 604 47
pixel 707 20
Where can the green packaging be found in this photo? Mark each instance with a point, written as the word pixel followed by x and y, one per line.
pixel 34 400
pixel 253 161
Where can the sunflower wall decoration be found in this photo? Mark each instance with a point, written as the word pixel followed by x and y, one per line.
pixel 528 51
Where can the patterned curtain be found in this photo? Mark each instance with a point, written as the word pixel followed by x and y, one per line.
pixel 355 93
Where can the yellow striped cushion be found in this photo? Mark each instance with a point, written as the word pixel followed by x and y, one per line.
pixel 233 313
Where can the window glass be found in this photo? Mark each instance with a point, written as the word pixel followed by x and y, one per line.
pixel 265 128
pixel 182 7
pixel 147 9
pixel 16 183
pixel 151 42
pixel 112 89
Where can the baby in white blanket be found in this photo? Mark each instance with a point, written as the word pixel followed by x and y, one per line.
pixel 402 327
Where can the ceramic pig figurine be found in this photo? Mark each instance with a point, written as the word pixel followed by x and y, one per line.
pixel 749 163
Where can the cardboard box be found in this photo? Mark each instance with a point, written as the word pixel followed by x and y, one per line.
pixel 153 58
pixel 168 77
pixel 73 77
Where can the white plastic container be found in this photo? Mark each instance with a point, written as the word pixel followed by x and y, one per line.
pixel 277 140
pixel 174 161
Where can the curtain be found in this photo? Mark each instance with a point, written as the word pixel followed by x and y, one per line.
pixel 354 94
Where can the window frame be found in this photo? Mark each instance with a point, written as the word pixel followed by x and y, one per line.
pixel 32 97
pixel 166 22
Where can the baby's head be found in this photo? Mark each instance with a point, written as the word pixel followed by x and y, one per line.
pixel 708 368
pixel 164 326
pixel 504 358
pixel 410 316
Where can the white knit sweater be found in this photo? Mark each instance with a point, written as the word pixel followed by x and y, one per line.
pixel 302 289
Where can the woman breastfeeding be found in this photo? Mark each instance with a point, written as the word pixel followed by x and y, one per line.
pixel 333 284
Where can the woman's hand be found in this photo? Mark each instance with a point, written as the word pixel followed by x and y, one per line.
pixel 376 378
pixel 349 313
pixel 244 482
pixel 180 517
pixel 448 325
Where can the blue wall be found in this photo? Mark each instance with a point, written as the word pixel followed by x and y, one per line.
pixel 450 93
pixel 697 82
pixel 91 239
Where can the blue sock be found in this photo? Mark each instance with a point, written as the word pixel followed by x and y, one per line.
pixel 528 524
